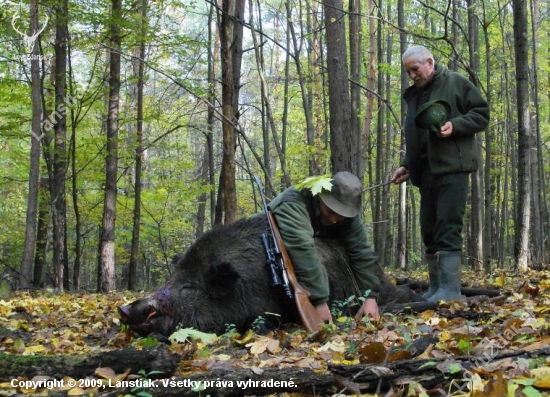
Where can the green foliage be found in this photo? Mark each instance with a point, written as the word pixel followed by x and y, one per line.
pixel 175 119
pixel 317 184
pixel 258 323
pixel 145 342
pixel 341 308
pixel 184 335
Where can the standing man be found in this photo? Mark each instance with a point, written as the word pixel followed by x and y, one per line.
pixel 302 216
pixel 444 112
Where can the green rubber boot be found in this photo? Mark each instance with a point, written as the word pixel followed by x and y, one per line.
pixel 433 274
pixel 449 277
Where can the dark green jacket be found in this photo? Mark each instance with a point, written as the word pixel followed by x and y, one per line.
pixel 469 115
pixel 299 219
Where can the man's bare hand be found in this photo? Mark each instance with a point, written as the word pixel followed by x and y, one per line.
pixel 369 308
pixel 400 175
pixel 446 130
pixel 324 312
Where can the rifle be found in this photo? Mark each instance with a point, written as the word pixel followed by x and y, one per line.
pixel 282 270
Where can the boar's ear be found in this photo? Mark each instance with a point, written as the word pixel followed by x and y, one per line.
pixel 220 279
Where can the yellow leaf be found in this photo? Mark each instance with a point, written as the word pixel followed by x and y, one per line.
pixel 34 350
pixel 542 377
pixel 335 346
pixel 445 336
pixel 19 346
pixel 98 325
pixel 500 280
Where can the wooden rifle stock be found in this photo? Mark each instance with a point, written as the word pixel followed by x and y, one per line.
pixel 307 312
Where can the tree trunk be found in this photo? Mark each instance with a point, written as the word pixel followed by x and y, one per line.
pixel 305 89
pixel 41 251
pixel 355 75
pixel 477 242
pixel 342 140
pixel 138 156
pixel 231 36
pixel 378 225
pixel 79 366
pixel 26 275
pixel 540 203
pixel 106 279
pixel 490 230
pixel 401 247
pixel 523 227
pixel 74 115
pixel 76 207
pixel 264 90
pixel 59 206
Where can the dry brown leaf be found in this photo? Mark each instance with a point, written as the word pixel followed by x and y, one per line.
pixel 374 352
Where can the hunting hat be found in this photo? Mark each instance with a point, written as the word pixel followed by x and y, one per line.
pixel 432 115
pixel 345 196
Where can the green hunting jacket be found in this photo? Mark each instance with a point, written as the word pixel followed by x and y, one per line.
pixel 299 219
pixel 469 115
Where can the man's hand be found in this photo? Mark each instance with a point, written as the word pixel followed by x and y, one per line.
pixel 446 130
pixel 400 175
pixel 369 308
pixel 324 312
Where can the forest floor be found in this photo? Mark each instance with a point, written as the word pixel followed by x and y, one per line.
pixel 492 348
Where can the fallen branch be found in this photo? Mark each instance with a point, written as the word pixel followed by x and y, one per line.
pixel 365 378
pixel 80 366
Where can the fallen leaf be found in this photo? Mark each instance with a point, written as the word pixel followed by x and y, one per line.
pixel 542 377
pixel 374 352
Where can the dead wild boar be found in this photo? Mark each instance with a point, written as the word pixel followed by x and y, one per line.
pixel 224 279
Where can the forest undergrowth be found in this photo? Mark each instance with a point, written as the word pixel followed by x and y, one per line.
pixel 491 334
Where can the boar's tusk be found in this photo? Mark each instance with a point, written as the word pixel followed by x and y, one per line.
pixel 152 313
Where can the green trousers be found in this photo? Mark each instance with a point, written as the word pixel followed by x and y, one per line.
pixel 442 208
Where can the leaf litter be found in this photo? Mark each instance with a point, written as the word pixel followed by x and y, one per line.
pixel 71 324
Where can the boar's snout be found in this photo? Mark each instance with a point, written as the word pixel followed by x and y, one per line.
pixel 146 316
pixel 124 312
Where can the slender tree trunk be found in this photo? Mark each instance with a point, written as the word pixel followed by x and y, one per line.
pixel 59 205
pixel 213 56
pixel 231 36
pixel 523 227
pixel 138 156
pixel 477 253
pixel 366 148
pixel 540 202
pixel 41 251
pixel 305 89
pixel 74 113
pixel 378 235
pixel 355 30
pixel 342 141
pixel 264 90
pixel 76 207
pixel 402 202
pixel 106 281
pixel 26 275
pixel 489 236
